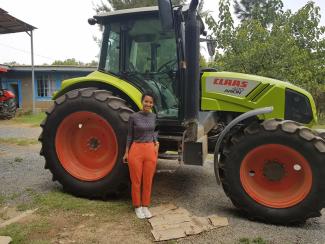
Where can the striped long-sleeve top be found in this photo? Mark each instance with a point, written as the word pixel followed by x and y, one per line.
pixel 142 127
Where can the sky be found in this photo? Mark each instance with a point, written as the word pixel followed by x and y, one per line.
pixel 63 31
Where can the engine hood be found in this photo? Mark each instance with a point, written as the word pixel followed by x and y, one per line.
pixel 237 92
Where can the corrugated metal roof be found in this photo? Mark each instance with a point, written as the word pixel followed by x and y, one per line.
pixel 10 24
pixel 67 68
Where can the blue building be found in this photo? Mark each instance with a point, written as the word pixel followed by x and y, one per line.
pixel 48 79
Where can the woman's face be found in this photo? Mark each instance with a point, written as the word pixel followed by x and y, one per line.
pixel 147 103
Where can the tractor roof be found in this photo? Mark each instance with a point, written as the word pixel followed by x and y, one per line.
pixel 126 13
pixel 133 13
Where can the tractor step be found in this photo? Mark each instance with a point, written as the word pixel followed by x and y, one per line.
pixel 168 156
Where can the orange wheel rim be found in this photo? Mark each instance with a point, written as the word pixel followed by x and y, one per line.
pixel 276 176
pixel 86 146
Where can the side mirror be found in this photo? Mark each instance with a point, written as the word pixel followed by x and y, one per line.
pixel 166 14
pixel 212 45
pixel 92 21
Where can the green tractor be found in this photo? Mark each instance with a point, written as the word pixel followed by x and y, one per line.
pixel 268 160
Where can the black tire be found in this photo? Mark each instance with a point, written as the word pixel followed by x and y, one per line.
pixel 9 109
pixel 287 133
pixel 114 110
pixel 322 135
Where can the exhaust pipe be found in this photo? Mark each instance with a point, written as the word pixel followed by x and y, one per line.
pixel 192 84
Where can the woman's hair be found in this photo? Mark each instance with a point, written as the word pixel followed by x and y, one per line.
pixel 149 94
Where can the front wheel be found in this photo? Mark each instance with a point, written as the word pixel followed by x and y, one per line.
pixel 322 135
pixel 83 141
pixel 274 172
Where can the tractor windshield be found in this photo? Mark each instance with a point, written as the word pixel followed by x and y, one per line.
pixel 140 51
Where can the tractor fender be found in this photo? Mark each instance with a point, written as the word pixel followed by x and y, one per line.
pixel 233 123
pixel 128 91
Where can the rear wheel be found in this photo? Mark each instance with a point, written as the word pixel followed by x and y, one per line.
pixel 274 171
pixel 9 108
pixel 83 141
pixel 322 135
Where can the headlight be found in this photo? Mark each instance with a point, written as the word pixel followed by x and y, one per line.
pixel 297 107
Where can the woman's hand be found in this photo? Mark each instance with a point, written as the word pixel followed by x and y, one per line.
pixel 125 158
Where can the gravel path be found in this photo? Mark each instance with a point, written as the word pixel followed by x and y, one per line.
pixel 191 187
pixel 18 130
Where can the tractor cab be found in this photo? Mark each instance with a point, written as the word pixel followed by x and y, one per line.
pixel 136 49
pixel 146 47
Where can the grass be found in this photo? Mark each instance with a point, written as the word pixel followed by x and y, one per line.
pixel 59 201
pixel 29 118
pixel 2 199
pixel 11 197
pixel 14 196
pixel 19 141
pixel 18 159
pixel 257 240
pixel 58 211
pixel 20 233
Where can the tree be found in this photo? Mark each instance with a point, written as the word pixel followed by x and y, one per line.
pixel 93 63
pixel 223 29
pixel 266 11
pixel 12 63
pixel 290 48
pixel 69 61
pixel 74 62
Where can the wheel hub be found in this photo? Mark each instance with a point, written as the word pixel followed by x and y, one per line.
pixel 277 183
pixel 274 171
pixel 94 144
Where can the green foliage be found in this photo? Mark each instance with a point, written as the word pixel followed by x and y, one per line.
pixel 2 199
pixel 69 61
pixel 20 232
pixel 59 201
pixel 258 240
pixel 30 118
pixel 18 159
pixel 223 29
pixel 12 63
pixel 74 62
pixel 203 62
pixel 265 11
pixel 19 141
pixel 59 213
pixel 286 46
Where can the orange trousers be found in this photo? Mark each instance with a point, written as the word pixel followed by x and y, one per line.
pixel 142 161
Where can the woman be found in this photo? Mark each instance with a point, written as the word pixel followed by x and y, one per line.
pixel 142 156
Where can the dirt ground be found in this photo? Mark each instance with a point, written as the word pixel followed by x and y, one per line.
pixel 65 219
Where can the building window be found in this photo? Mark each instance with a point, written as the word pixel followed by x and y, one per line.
pixel 45 85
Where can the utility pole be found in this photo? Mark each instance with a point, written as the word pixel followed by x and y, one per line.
pixel 33 73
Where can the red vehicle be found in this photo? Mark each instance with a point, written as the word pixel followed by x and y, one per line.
pixel 8 105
